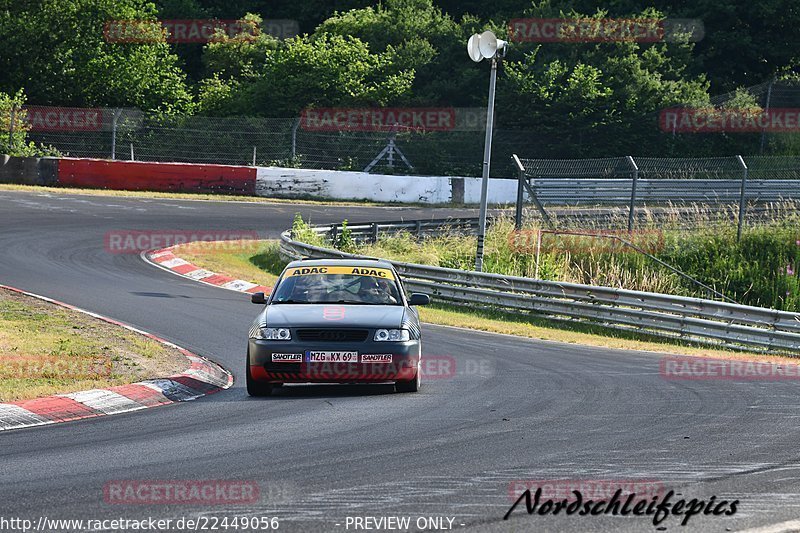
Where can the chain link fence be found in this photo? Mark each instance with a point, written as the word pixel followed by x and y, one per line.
pixel 127 134
pixel 744 183
pixel 282 142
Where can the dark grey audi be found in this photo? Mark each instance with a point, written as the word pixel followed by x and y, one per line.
pixel 336 321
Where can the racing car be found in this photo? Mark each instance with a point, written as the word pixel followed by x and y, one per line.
pixel 335 321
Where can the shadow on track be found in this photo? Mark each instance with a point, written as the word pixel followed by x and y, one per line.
pixel 302 391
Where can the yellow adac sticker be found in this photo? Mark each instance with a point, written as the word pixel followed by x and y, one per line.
pixel 384 273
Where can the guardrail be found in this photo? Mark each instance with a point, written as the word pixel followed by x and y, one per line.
pixel 369 231
pixel 570 191
pixel 691 319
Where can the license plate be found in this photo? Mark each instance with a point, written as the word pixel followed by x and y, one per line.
pixel 331 357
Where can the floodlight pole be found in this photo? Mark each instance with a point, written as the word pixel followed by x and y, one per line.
pixel 487 156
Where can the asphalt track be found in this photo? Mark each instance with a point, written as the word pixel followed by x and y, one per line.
pixel 516 409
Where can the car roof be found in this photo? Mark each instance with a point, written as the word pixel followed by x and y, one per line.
pixel 374 263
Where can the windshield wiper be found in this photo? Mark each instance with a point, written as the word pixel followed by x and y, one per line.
pixel 352 302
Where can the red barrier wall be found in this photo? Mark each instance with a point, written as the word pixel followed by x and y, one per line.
pixel 143 176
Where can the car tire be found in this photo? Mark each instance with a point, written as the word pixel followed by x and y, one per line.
pixel 256 388
pixel 408 386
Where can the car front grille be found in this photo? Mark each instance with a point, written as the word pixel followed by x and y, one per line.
pixel 333 335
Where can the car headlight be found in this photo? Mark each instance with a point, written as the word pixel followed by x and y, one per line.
pixel 397 335
pixel 274 334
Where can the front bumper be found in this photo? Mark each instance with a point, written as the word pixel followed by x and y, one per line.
pixel 403 366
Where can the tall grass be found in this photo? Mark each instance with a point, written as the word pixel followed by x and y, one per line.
pixel 762 269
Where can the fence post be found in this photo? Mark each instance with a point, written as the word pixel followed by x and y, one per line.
pixel 520 194
pixel 294 138
pixel 132 158
pixel 766 110
pixel 374 232
pixel 11 129
pixel 634 181
pixel 254 156
pixel 114 119
pixel 742 204
pixel 523 184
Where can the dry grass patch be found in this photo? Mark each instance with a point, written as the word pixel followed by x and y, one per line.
pixel 46 349
pixel 238 259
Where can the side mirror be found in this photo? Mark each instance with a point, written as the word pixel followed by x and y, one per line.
pixel 417 298
pixel 258 298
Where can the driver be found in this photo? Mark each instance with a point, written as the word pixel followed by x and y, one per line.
pixel 375 290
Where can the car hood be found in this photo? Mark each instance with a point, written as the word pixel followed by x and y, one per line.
pixel 333 316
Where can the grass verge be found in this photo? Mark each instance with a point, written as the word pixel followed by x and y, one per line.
pixel 254 261
pixel 260 263
pixel 46 349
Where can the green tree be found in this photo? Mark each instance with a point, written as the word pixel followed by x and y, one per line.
pixel 231 61
pixel 242 55
pixel 425 38
pixel 319 71
pixel 615 89
pixel 57 50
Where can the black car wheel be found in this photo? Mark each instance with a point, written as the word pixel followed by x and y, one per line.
pixel 256 388
pixel 408 386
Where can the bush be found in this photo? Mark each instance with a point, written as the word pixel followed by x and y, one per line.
pixel 14 129
pixel 303 232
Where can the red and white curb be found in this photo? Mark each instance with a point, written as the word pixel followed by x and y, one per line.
pixel 201 378
pixel 166 259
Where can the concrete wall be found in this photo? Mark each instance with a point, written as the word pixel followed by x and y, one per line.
pixel 28 170
pixel 501 191
pixel 342 185
pixel 272 182
pixel 147 176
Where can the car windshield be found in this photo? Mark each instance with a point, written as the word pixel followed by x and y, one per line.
pixel 338 284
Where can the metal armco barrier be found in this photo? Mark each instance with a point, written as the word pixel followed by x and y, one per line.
pixel 691 319
pixel 368 232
